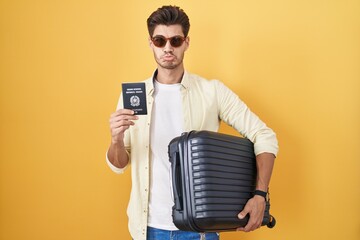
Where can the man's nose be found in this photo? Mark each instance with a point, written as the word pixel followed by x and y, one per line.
pixel 168 47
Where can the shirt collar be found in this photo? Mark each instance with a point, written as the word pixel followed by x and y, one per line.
pixel 185 82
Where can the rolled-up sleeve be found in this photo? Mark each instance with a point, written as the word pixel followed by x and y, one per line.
pixel 113 167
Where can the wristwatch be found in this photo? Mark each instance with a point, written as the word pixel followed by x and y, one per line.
pixel 261 193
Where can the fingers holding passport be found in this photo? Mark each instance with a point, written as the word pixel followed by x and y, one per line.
pixel 121 120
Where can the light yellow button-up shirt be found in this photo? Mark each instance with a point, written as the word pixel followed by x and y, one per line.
pixel 204 104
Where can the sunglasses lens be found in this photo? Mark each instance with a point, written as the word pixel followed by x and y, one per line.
pixel 159 41
pixel 176 41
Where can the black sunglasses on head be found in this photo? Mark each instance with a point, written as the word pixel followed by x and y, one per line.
pixel 160 41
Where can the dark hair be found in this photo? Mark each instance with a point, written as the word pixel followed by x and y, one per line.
pixel 168 15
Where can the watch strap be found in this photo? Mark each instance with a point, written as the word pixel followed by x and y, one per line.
pixel 261 193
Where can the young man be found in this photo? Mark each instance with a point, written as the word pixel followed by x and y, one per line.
pixel 177 102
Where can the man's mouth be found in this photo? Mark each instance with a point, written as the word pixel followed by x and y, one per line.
pixel 168 57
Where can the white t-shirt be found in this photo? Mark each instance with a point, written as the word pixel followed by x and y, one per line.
pixel 166 124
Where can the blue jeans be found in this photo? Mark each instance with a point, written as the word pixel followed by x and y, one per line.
pixel 158 234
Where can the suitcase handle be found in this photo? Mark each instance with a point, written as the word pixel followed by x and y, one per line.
pixel 176 181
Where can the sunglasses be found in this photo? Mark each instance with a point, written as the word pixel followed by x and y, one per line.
pixel 160 41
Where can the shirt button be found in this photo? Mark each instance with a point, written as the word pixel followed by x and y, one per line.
pixel 145 189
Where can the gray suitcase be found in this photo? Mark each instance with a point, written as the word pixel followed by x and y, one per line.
pixel 213 176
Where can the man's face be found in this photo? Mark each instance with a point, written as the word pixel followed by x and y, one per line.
pixel 169 57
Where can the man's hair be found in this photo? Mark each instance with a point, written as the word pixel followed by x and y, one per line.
pixel 168 15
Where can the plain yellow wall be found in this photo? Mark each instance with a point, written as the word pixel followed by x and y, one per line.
pixel 295 63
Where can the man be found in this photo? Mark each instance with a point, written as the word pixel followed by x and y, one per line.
pixel 177 102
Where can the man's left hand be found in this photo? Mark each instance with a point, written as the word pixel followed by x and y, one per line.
pixel 255 207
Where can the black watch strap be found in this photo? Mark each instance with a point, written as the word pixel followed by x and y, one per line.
pixel 261 193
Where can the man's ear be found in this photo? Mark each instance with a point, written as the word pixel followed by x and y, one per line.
pixel 187 42
pixel 150 42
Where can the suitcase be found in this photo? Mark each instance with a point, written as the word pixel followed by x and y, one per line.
pixel 213 176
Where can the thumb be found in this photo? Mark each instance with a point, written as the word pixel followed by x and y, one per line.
pixel 243 213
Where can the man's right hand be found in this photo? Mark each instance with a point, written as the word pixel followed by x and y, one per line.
pixel 121 120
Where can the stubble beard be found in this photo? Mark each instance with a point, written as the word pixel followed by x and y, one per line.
pixel 168 66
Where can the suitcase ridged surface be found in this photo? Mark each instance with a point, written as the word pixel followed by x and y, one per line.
pixel 214 175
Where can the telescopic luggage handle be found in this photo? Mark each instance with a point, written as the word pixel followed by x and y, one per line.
pixel 175 179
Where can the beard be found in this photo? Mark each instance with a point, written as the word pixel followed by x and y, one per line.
pixel 168 66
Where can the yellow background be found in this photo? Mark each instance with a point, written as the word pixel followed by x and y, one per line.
pixel 295 63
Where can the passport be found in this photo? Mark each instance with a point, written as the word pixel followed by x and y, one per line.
pixel 134 97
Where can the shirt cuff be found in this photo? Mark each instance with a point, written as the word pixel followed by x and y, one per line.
pixel 114 168
pixel 266 149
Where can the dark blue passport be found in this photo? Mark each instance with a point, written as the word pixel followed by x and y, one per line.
pixel 134 97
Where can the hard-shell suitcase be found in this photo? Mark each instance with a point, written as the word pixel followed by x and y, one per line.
pixel 213 176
